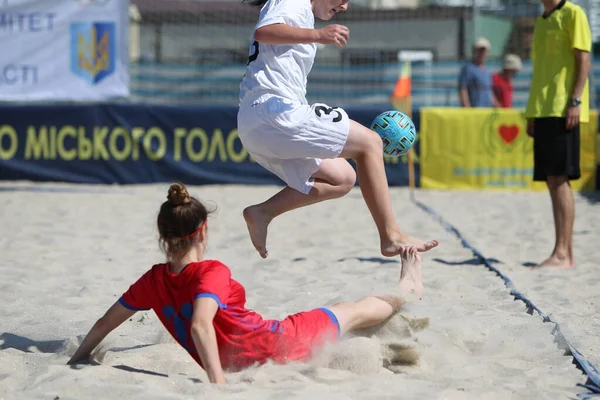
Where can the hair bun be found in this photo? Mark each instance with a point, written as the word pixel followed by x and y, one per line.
pixel 178 194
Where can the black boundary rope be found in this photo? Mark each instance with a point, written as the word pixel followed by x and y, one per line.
pixel 592 373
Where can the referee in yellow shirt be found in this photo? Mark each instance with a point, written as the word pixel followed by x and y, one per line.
pixel 558 103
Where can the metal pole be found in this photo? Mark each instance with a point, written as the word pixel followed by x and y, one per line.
pixel 474 24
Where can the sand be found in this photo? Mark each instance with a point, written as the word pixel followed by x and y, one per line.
pixel 518 231
pixel 67 255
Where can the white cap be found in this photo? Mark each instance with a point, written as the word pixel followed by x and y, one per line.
pixel 512 62
pixel 482 43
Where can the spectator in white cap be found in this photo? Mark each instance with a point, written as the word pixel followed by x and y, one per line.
pixel 502 81
pixel 475 81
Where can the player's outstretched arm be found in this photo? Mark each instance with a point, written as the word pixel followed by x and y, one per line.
pixel 115 316
pixel 285 34
pixel 205 339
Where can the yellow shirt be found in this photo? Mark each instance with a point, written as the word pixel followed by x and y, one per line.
pixel 555 39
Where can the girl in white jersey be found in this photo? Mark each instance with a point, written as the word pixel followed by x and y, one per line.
pixel 307 145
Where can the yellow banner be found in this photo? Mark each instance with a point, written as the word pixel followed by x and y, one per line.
pixel 477 148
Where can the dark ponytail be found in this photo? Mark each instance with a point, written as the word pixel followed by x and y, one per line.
pixel 255 3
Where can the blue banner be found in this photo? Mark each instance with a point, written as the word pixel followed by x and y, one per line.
pixel 132 144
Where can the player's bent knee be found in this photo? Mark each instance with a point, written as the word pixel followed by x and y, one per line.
pixel 373 144
pixel 338 173
pixel 362 141
pixel 376 144
pixel 348 179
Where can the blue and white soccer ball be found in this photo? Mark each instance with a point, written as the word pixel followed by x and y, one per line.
pixel 397 132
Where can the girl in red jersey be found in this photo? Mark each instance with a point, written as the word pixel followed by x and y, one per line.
pixel 204 309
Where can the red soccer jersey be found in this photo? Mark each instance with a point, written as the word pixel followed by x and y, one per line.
pixel 503 90
pixel 243 336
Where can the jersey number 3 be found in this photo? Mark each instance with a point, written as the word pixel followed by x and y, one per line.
pixel 254 54
pixel 320 110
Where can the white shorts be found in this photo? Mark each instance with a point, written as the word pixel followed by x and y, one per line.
pixel 291 139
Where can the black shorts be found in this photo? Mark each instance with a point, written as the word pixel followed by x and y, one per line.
pixel 555 149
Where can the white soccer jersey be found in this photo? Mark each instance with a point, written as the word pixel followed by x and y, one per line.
pixel 280 70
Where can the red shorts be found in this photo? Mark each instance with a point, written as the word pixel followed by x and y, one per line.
pixel 304 333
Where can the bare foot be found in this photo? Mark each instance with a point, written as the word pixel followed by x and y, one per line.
pixel 393 246
pixel 411 279
pixel 557 262
pixel 258 223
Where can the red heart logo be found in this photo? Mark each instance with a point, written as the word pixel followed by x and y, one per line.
pixel 508 133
